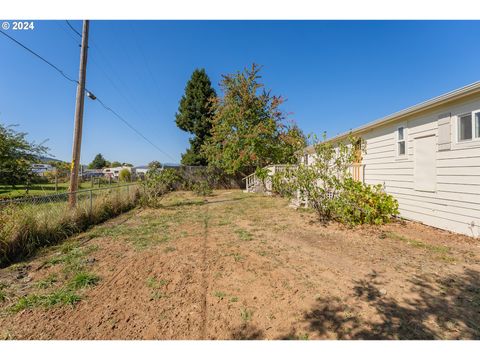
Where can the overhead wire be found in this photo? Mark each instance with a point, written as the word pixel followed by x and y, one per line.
pixel 40 57
pixel 61 72
pixel 73 29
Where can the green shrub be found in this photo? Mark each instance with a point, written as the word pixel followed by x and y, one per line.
pixel 328 187
pixel 263 174
pixel 125 175
pixel 157 184
pixel 359 203
pixel 202 188
pixel 282 184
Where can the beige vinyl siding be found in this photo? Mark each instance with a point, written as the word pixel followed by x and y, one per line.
pixel 455 203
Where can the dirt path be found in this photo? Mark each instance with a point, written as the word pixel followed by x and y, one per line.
pixel 245 267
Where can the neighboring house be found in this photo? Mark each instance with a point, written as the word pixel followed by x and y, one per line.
pixel 428 157
pixel 140 171
pixel 115 171
pixel 41 169
pixel 91 173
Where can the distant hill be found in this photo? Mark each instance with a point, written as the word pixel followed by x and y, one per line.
pixel 45 159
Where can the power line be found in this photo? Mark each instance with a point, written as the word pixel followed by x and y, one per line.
pixel 40 57
pixel 70 35
pixel 131 127
pixel 92 59
pixel 101 102
pixel 73 29
pixel 147 66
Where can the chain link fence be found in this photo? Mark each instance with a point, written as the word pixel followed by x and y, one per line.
pixel 61 198
pixel 29 223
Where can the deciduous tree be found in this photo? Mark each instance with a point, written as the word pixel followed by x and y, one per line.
pixel 154 165
pixel 16 156
pixel 249 129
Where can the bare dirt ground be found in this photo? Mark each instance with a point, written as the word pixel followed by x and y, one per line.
pixel 242 266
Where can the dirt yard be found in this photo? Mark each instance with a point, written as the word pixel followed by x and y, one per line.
pixel 242 266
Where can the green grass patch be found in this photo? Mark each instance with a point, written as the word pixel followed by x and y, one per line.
pixel 59 297
pixel 72 257
pixel 246 314
pixel 189 202
pixel 3 295
pixel 243 234
pixel 237 257
pixel 439 249
pixel 233 299
pixel 47 282
pixel 219 294
pixel 83 279
pixel 156 285
pixel 224 222
pixel 150 232
pixel 304 336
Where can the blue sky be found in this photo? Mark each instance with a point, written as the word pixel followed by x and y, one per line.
pixel 336 75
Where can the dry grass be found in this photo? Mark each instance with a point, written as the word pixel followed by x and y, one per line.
pixel 26 228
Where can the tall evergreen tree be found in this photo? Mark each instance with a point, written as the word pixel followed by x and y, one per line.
pixel 195 115
pixel 98 162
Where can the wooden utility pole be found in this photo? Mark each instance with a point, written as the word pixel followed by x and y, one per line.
pixel 77 133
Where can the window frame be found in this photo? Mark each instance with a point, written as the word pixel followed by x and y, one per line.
pixel 475 128
pixel 474 137
pixel 398 141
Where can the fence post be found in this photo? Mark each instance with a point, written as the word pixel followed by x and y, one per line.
pixel 91 201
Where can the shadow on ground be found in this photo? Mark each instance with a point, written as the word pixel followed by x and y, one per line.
pixel 247 332
pixel 437 308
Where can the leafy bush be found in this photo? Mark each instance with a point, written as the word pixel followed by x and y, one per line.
pixel 157 184
pixel 328 187
pixel 202 188
pixel 263 175
pixel 359 203
pixel 125 175
pixel 282 184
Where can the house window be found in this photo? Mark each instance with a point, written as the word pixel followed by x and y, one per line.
pixel 401 146
pixel 465 127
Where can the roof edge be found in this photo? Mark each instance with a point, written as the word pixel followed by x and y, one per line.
pixel 425 105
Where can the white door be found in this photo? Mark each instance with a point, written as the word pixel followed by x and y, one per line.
pixel 425 157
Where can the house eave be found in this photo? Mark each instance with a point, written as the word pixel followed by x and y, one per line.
pixel 438 101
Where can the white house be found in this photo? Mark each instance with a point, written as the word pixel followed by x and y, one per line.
pixel 115 171
pixel 428 157
pixel 140 171
pixel 41 169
